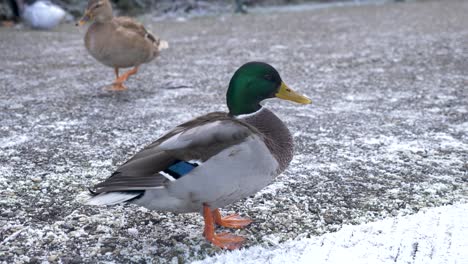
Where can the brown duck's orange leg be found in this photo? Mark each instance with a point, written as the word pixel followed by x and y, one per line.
pixel 222 240
pixel 127 74
pixel 117 85
pixel 230 221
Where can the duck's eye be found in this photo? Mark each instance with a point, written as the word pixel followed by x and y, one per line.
pixel 97 5
pixel 268 77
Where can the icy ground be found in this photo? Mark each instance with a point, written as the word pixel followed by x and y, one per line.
pixel 437 235
pixel 386 134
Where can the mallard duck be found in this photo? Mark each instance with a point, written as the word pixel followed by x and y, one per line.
pixel 213 160
pixel 118 42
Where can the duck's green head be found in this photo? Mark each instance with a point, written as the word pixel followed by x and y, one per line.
pixel 254 82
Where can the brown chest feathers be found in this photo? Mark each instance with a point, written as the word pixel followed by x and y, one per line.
pixel 278 139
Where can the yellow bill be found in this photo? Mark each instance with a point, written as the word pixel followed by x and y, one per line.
pixel 87 17
pixel 287 93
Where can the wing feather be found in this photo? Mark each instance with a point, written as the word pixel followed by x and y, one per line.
pixel 198 139
pixel 127 23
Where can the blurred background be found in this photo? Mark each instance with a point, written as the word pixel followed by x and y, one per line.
pixel 12 10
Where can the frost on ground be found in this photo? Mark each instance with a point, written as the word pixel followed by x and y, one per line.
pixel 437 235
pixel 386 134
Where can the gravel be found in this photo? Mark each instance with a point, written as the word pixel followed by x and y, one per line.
pixel 386 134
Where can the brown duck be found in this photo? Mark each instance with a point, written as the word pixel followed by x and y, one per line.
pixel 118 42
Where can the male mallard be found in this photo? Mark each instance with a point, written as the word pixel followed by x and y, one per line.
pixel 118 42
pixel 213 160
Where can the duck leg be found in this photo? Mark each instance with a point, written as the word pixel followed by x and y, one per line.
pixel 119 80
pixel 117 85
pixel 230 221
pixel 222 240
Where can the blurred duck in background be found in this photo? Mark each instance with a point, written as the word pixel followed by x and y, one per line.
pixel 118 42
pixel 38 14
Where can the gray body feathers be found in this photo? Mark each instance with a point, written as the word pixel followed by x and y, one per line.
pixel 238 157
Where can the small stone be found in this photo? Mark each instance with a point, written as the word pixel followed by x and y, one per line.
pixel 104 250
pixel 34 260
pixel 52 258
pixel 36 179
pixel 7 214
pixel 328 217
pixel 132 231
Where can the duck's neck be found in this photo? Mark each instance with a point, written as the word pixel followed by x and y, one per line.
pixel 278 139
pixel 103 20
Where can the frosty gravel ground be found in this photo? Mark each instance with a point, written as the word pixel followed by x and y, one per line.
pixel 386 134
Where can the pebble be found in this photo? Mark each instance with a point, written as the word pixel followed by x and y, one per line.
pixel 104 250
pixel 52 258
pixel 132 231
pixel 36 179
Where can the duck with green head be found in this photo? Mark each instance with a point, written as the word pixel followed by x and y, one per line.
pixel 213 160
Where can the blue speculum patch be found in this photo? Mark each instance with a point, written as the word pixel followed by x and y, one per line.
pixel 179 168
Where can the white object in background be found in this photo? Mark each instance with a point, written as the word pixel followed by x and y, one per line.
pixel 43 14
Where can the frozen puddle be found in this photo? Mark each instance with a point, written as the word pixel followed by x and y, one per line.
pixel 436 235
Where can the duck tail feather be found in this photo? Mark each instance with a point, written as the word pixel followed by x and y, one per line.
pixel 163 45
pixel 110 198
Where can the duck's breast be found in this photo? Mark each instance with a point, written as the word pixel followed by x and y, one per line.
pixel 277 136
pixel 97 43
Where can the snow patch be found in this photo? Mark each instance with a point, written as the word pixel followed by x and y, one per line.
pixel 408 146
pixel 271 189
pixel 12 141
pixel 448 142
pixel 436 235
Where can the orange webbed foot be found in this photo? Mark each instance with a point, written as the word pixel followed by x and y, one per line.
pixel 231 221
pixel 223 240
pixel 120 79
pixel 116 87
pixel 226 240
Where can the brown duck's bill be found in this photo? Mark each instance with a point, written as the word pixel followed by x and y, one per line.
pixel 87 17
pixel 287 93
